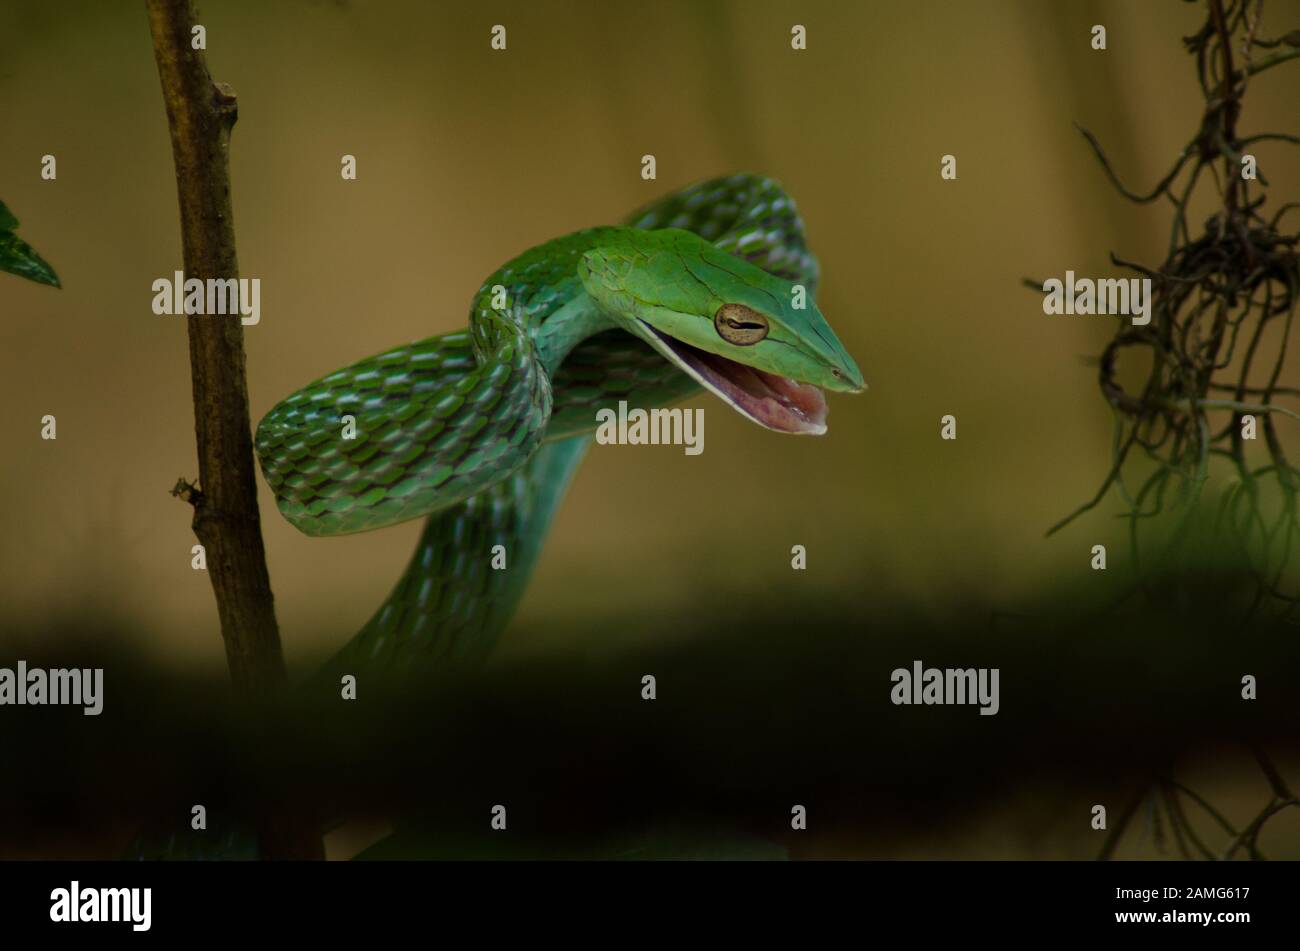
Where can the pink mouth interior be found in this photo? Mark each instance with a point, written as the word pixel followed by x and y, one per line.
pixel 776 402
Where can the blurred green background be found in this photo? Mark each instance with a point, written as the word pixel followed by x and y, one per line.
pixel 468 156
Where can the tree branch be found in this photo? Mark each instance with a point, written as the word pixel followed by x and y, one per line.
pixel 200 114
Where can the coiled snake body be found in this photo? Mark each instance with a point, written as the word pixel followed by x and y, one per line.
pixel 480 431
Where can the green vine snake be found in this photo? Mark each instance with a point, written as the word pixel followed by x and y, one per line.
pixel 480 431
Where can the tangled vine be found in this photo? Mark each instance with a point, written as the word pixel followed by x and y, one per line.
pixel 1223 304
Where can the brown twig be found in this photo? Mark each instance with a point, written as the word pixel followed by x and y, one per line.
pixel 201 114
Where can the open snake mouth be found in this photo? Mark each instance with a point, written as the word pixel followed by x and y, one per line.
pixel 773 401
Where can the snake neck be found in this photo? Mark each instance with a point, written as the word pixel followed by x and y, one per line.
pixel 539 296
pixel 568 326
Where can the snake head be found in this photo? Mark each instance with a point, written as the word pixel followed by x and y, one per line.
pixel 758 342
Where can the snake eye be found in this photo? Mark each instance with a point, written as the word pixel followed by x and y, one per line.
pixel 740 325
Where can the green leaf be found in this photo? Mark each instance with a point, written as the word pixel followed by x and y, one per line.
pixel 18 257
